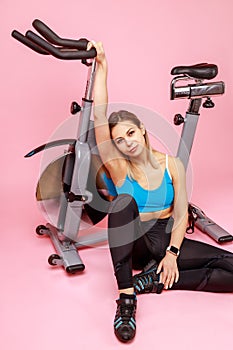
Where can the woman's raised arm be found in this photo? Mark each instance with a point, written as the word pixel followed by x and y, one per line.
pixel 100 87
pixel 108 152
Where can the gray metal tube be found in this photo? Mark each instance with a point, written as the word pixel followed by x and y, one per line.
pixel 187 138
pixel 213 230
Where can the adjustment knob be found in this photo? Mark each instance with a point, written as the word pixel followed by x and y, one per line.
pixel 208 103
pixel 75 108
pixel 178 119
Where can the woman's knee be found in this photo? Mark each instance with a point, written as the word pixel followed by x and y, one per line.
pixel 123 202
pixel 123 221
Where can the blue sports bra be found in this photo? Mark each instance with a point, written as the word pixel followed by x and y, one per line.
pixel 149 200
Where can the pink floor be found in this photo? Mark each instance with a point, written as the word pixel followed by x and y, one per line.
pixel 41 307
pixel 44 308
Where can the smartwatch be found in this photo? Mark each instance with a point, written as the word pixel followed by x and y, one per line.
pixel 173 250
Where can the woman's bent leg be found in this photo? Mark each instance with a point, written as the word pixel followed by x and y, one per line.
pixel 123 231
pixel 204 267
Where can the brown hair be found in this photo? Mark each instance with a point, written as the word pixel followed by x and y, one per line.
pixel 121 116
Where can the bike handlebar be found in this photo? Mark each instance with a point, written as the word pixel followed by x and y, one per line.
pixel 53 38
pixel 66 49
pixel 20 37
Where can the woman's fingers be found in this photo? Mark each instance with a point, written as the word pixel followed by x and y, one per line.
pixel 159 268
pixel 169 277
pixel 177 276
pixel 98 45
pixel 170 272
pixel 168 280
pixel 172 279
pixel 100 58
pixel 91 44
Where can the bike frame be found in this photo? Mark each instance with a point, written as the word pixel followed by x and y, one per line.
pixel 198 91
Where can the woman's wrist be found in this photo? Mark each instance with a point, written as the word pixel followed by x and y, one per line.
pixel 103 64
pixel 168 254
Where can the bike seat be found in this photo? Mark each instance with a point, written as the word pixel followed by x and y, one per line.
pixel 197 71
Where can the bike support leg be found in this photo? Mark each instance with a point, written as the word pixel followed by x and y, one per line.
pixel 202 222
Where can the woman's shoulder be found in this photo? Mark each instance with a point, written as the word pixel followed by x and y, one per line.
pixel 160 156
pixel 173 163
pixel 176 167
pixel 163 158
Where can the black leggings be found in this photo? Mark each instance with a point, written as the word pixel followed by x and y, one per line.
pixel 134 243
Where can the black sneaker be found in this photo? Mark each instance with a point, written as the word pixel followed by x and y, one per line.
pixel 124 322
pixel 147 281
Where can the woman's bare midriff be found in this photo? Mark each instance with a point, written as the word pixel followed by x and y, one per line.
pixel 162 214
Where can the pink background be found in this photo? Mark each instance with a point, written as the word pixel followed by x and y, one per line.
pixel 42 307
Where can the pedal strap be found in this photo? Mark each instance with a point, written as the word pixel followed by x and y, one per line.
pixel 191 219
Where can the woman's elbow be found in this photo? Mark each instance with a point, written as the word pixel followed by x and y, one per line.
pixel 181 214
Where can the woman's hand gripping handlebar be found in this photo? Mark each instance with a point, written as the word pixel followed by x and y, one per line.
pixel 65 49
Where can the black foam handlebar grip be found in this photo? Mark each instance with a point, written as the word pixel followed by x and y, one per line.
pixel 20 37
pixel 61 53
pixel 53 38
pixel 65 49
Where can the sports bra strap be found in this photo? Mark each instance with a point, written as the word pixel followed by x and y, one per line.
pixel 167 166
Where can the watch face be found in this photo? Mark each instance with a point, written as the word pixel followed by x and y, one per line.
pixel 174 249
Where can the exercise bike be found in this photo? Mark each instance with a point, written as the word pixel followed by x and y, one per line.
pixel 195 93
pixel 76 183
pixel 73 180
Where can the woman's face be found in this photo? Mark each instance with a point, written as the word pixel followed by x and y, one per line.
pixel 128 138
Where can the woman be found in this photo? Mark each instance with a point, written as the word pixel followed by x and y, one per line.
pixel 147 220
